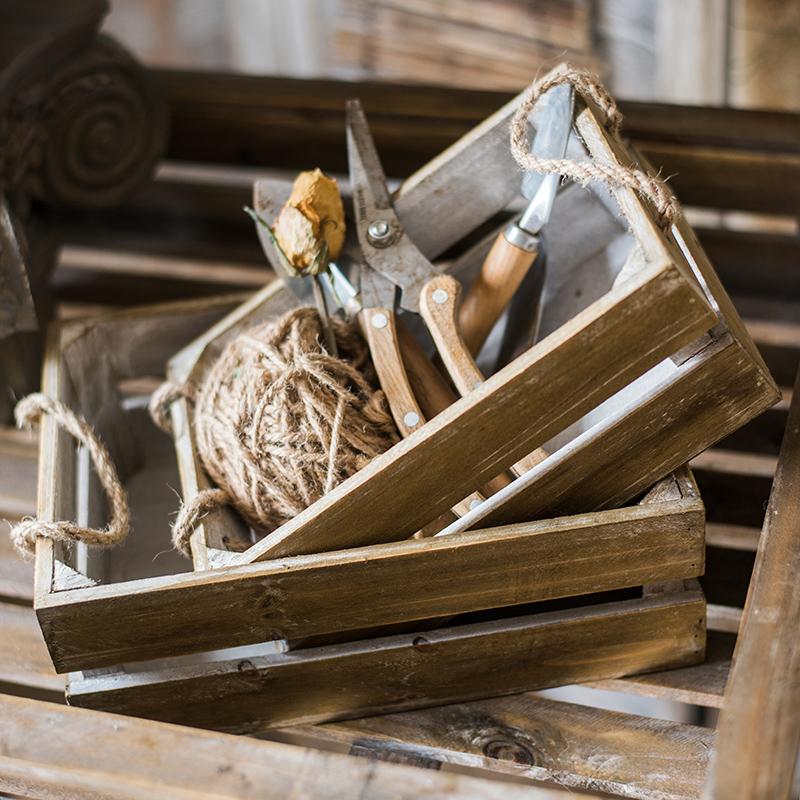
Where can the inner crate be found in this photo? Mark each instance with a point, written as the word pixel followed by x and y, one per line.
pixel 643 363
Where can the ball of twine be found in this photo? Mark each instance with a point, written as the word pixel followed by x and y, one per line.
pixel 279 422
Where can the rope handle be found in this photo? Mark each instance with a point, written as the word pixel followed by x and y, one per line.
pixel 161 401
pixel 588 84
pixel 28 413
pixel 191 515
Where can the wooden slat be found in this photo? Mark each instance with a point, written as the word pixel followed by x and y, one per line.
pixel 779 343
pixel 55 752
pixel 734 485
pixel 700 684
pixel 729 179
pixel 761 435
pixel 18 459
pixel 405 671
pixel 760 723
pixel 724 619
pixel 719 158
pixel 357 589
pixel 25 666
pixel 531 737
pixel 641 443
pixel 735 537
pixel 754 263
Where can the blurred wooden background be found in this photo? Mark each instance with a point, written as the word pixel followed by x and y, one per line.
pixel 741 53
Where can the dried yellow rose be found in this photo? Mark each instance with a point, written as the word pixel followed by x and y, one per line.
pixel 312 217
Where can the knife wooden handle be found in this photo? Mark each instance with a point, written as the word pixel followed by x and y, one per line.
pixel 500 276
pixel 439 308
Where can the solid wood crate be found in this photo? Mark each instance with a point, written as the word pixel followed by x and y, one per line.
pixel 631 379
pixel 549 591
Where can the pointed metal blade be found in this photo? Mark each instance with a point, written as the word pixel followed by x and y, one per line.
pixel 550 141
pixel 391 258
pixel 366 173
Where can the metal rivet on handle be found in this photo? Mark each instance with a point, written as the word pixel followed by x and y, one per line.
pixel 411 418
pixel 379 320
pixel 440 296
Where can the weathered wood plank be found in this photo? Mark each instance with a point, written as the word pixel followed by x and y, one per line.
pixel 717 390
pixel 760 722
pixel 718 157
pixel 55 752
pixel 700 684
pixel 405 671
pixel 724 619
pixel 18 464
pixel 734 537
pixel 527 736
pixel 25 666
pixel 358 589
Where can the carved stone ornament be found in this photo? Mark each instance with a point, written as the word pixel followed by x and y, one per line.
pixel 87 134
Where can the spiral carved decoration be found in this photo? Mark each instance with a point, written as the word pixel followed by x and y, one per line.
pixel 105 129
pixel 93 133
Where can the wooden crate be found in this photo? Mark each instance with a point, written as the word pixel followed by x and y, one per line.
pixel 634 378
pixel 577 584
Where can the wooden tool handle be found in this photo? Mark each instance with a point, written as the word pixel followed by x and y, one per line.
pixel 439 308
pixel 500 276
pixel 380 330
pixel 438 305
pixel 432 391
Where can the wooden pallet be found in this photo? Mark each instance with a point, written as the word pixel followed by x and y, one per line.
pixel 748 161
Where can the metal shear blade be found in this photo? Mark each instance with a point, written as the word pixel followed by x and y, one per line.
pixel 385 247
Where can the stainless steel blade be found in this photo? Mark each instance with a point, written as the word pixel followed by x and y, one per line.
pixel 550 141
pixel 385 247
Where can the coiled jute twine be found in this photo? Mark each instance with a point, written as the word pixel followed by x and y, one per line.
pixel 278 422
pixel 588 84
pixel 28 413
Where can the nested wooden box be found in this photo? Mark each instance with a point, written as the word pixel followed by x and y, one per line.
pixel 524 606
pixel 643 364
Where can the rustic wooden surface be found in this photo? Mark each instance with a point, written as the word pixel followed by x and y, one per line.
pixel 715 156
pixel 527 735
pixel 93 756
pixel 318 594
pixel 182 219
pixel 374 676
pixel 761 714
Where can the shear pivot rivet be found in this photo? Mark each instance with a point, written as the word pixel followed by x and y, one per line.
pixel 379 320
pixel 440 296
pixel 379 233
pixel 411 418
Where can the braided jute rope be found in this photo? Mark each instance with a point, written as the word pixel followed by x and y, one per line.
pixel 278 422
pixel 28 413
pixel 588 84
pixel 161 401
